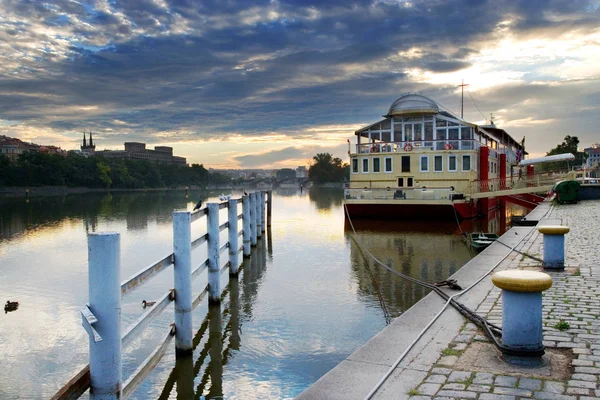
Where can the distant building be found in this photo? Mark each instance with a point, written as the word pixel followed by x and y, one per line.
pixel 301 172
pixel 13 147
pixel 138 151
pixel 593 155
pixel 88 149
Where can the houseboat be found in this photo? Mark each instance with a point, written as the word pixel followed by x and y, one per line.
pixel 423 162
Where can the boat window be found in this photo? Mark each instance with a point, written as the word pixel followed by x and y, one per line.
pixel 437 163
pixel 424 164
pixel 400 182
pixel 428 134
pixel 355 165
pixel 453 137
pixel 418 130
pixel 386 125
pixel 409 182
pixel 397 132
pixel 408 132
pixel 386 137
pixel 376 164
pixel 466 162
pixel 388 164
pixel 405 163
pixel 452 163
pixel 365 166
pixel 440 122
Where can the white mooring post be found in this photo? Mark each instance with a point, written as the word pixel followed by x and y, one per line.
pixel 105 304
pixel 263 224
pixel 253 219
pixel 212 221
pixel 182 270
pixel 246 224
pixel 259 229
pixel 232 217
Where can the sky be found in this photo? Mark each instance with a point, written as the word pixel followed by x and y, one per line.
pixel 269 84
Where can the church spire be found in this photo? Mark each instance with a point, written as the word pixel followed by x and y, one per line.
pixel 91 144
pixel 84 144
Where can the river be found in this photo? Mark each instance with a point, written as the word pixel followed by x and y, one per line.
pixel 306 299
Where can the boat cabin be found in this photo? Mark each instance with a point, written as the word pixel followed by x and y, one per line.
pixel 418 144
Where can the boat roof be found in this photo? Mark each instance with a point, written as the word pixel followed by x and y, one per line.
pixel 417 104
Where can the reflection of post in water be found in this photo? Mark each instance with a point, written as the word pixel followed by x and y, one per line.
pixel 215 366
pixel 234 309
pixel 184 371
pixel 269 244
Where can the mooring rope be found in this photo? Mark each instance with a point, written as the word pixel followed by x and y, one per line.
pixel 490 329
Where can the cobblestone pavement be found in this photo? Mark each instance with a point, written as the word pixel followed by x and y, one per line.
pixel 571 319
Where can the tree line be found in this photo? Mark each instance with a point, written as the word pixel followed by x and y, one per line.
pixel 40 169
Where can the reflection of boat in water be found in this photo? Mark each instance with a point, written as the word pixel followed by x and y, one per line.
pixel 480 240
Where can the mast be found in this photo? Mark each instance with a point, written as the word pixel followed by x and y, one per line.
pixel 462 96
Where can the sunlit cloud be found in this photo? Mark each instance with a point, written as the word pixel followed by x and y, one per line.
pixel 241 78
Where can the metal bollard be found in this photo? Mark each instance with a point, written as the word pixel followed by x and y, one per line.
pixel 253 219
pixel 182 278
pixel 232 218
pixel 522 309
pixel 214 284
pixel 102 316
pixel 554 245
pixel 246 224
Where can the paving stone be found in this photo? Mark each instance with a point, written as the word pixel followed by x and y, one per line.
pixel 554 387
pixel 454 386
pixel 479 388
pixel 585 377
pixel 441 371
pixel 506 381
pixel 436 379
pixel 513 391
pixel 459 376
pixel 429 388
pixel 577 390
pixel 582 384
pixel 483 378
pixel 448 361
pixel 491 396
pixel 552 396
pixel 458 394
pixel 530 384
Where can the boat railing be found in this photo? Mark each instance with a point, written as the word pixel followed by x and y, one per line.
pixel 101 317
pixel 400 194
pixel 415 145
pixel 516 181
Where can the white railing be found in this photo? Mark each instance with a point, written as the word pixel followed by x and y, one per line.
pixel 101 317
pixel 400 194
pixel 414 145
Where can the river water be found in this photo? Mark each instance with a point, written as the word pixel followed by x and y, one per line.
pixel 308 296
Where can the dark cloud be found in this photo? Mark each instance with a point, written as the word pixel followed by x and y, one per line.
pixel 214 67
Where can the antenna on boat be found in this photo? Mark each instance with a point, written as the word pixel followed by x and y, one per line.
pixel 492 119
pixel 462 96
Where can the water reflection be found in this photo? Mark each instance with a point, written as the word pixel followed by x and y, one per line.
pixel 224 324
pixel 326 198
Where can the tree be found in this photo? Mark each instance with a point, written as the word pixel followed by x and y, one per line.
pixel 569 145
pixel 325 168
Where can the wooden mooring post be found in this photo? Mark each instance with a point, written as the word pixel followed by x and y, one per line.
pixel 253 235
pixel 269 206
pixel 246 224
pixel 234 248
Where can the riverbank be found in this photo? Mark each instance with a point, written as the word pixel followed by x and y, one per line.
pixel 452 359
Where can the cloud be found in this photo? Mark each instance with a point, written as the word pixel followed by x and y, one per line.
pixel 189 71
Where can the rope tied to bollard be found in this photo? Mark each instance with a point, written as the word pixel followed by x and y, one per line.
pixel 491 330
